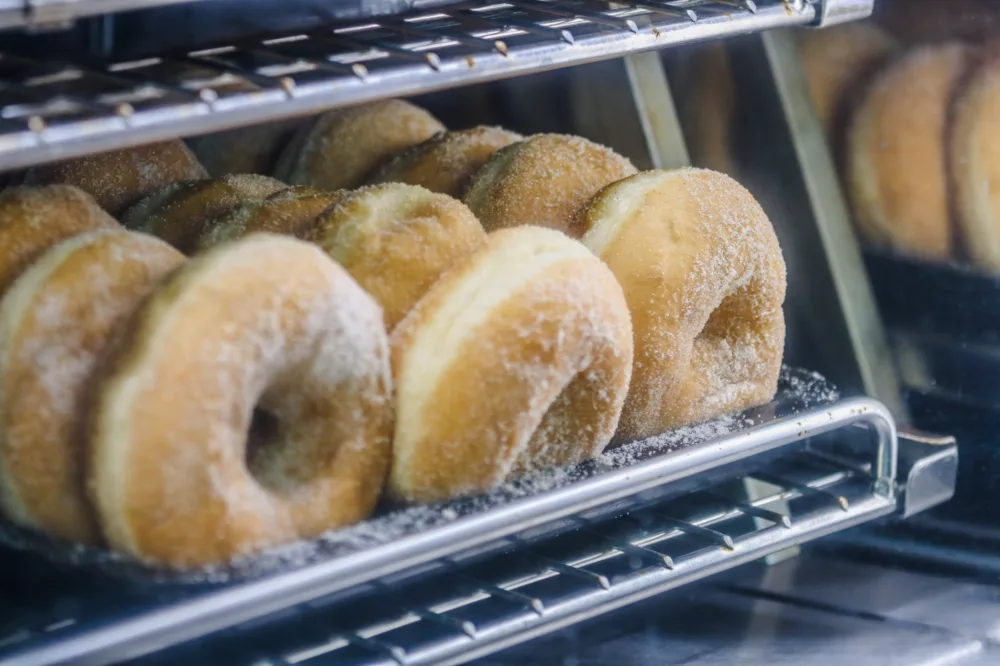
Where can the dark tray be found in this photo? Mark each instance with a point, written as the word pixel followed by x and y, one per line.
pixel 919 296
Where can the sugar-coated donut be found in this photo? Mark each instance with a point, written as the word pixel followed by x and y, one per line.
pixel 55 322
pixel 896 155
pixel 292 211
pixel 343 147
pixel 545 180
pixel 835 59
pixel 245 150
pixel 396 240
pixel 517 358
pixel 32 219
pixel 120 178
pixel 268 322
pixel 178 213
pixel 975 164
pixel 704 277
pixel 447 161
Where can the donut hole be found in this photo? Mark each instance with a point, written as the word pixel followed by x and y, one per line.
pixel 725 352
pixel 282 448
pixel 263 433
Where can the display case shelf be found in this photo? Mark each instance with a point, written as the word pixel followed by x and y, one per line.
pixel 823 468
pixel 52 109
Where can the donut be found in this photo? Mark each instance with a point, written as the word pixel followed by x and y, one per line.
pixel 835 60
pixel 896 152
pixel 120 178
pixel 545 180
pixel 447 161
pixel 517 358
pixel 55 322
pixel 342 148
pixel 396 240
pixel 975 169
pixel 245 150
pixel 288 212
pixel 178 213
pixel 704 279
pixel 170 474
pixel 32 219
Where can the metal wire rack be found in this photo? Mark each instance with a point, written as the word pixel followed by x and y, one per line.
pixel 463 613
pixel 52 109
pixel 510 573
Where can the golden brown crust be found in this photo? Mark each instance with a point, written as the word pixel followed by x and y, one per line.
pixel 396 240
pixel 32 219
pixel 517 358
pixel 446 162
pixel 835 59
pixel 281 213
pixel 54 324
pixel 704 277
pixel 178 214
pixel 545 180
pixel 343 147
pixel 975 165
pixel 896 157
pixel 168 469
pixel 120 178
pixel 245 150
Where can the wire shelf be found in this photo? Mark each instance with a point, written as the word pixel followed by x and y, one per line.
pixel 464 613
pixel 584 532
pixel 50 109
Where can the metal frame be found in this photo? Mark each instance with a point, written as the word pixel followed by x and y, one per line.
pixel 621 582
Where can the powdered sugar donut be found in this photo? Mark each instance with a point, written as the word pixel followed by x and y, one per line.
pixel 179 212
pixel 704 277
pixel 293 211
pixel 519 357
pixel 396 240
pixel 975 165
pixel 343 147
pixel 897 152
pixel 55 322
pixel 447 161
pixel 834 60
pixel 266 322
pixel 33 219
pixel 545 180
pixel 120 178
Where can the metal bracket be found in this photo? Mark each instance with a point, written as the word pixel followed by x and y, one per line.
pixel 928 470
pixel 832 12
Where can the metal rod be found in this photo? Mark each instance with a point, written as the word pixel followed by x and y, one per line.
pixel 755 511
pixel 576 13
pixel 719 538
pixel 804 488
pixel 563 568
pixel 394 652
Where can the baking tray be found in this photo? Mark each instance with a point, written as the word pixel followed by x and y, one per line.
pixel 945 299
pixel 703 450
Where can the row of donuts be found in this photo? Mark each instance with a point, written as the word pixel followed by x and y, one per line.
pixel 914 129
pixel 188 412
